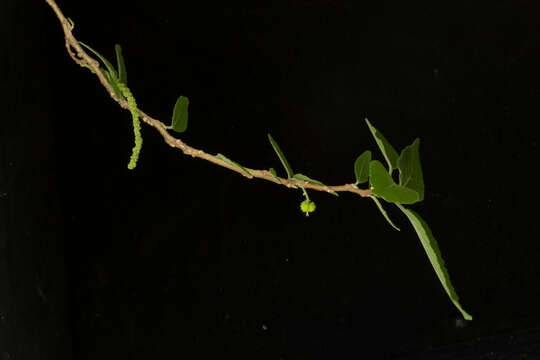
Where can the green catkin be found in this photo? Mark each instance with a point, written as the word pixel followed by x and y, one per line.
pixel 136 125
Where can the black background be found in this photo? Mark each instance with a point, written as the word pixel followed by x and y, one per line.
pixel 182 259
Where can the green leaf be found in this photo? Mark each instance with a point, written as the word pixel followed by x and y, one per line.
pixel 110 68
pixel 274 174
pixel 381 209
pixel 361 167
pixel 122 74
pixel 307 179
pixel 387 150
pixel 224 158
pixel 384 187
pixel 89 68
pixel 312 181
pixel 180 114
pixel 281 156
pixel 410 170
pixel 434 255
pixel 113 83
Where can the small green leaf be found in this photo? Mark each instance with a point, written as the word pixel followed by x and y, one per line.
pixel 224 158
pixel 281 156
pixel 89 68
pixel 113 83
pixel 71 23
pixel 312 181
pixel 361 167
pixel 180 114
pixel 122 74
pixel 386 148
pixel 110 68
pixel 410 169
pixel 381 209
pixel 434 255
pixel 384 187
pixel 307 179
pixel 274 174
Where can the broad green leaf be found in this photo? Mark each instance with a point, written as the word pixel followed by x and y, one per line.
pixel 109 66
pixel 384 187
pixel 434 255
pixel 122 74
pixel 381 209
pixel 410 169
pixel 361 167
pixel 180 114
pixel 224 158
pixel 386 148
pixel 274 174
pixel 281 156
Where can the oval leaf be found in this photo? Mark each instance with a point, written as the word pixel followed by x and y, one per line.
pixel 384 187
pixel 390 154
pixel 281 156
pixel 180 114
pixel 361 167
pixel 434 255
pixel 410 170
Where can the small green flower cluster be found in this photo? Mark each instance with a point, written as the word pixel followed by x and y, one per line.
pixel 136 125
pixel 307 206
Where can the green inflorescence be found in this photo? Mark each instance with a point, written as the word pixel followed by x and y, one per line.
pixel 136 125
pixel 118 82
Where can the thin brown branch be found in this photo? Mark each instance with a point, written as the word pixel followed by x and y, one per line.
pixel 82 58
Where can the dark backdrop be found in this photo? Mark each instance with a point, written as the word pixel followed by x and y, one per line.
pixel 183 259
